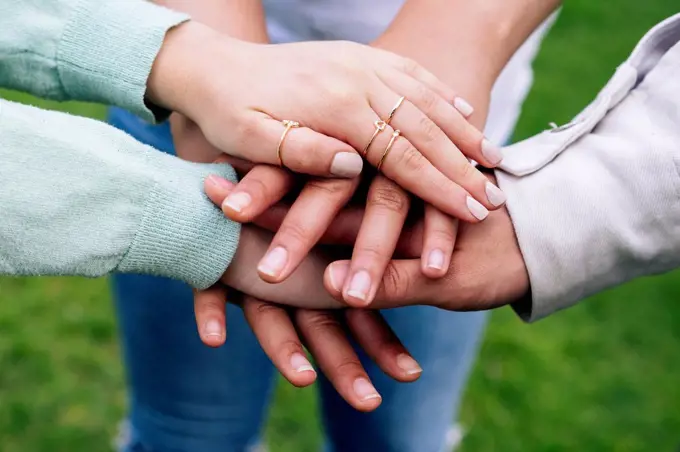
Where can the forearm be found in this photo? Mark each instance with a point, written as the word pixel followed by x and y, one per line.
pixel 241 19
pixel 81 198
pixel 469 42
pixel 89 50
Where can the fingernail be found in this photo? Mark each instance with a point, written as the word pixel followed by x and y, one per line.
pixel 476 209
pixel 491 152
pixel 338 274
pixel 408 364
pixel 436 259
pixel 495 195
pixel 238 201
pixel 273 262
pixel 360 285
pixel 347 164
pixel 463 106
pixel 365 390
pixel 213 328
pixel 219 181
pixel 300 364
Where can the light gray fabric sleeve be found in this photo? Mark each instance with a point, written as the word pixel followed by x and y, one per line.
pixel 597 202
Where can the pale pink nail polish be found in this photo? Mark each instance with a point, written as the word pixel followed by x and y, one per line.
pixel 463 106
pixel 435 259
pixel 476 209
pixel 300 364
pixel 237 201
pixel 347 164
pixel 360 285
pixel 408 364
pixel 495 195
pixel 491 152
pixel 365 390
pixel 274 262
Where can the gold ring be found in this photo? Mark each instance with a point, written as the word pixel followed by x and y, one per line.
pixel 289 125
pixel 379 127
pixel 394 110
pixel 395 135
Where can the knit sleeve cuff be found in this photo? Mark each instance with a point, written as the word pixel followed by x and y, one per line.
pixel 107 50
pixel 182 234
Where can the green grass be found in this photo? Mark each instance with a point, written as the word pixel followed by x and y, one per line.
pixel 603 376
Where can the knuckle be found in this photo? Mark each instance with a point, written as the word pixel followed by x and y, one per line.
pixel 388 197
pixel 248 127
pixel 262 309
pixel 410 66
pixel 331 187
pixel 294 234
pixel 429 129
pixel 427 99
pixel 312 322
pixel 410 159
pixel 396 283
pixel 349 366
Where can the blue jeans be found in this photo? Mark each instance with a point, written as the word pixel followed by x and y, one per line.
pixel 186 397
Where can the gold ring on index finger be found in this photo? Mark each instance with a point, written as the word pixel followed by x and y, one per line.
pixel 288 124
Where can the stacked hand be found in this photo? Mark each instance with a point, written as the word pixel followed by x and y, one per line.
pixel 348 100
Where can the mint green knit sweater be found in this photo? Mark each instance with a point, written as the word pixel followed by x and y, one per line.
pixel 78 197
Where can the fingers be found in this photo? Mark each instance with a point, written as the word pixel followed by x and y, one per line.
pixel 328 343
pixel 261 188
pixel 407 166
pixel 451 122
pixel 386 209
pixel 311 214
pixel 419 123
pixel 277 336
pixel 403 284
pixel 377 339
pixel 439 239
pixel 210 312
pixel 301 150
pixel 258 190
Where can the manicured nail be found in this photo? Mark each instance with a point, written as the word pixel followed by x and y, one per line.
pixel 300 364
pixel 436 259
pixel 213 328
pixel 360 285
pixel 491 152
pixel 219 182
pixel 338 273
pixel 237 202
pixel 495 195
pixel 347 164
pixel 463 106
pixel 408 364
pixel 273 262
pixel 365 390
pixel 476 209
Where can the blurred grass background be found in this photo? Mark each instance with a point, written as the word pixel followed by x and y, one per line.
pixel 604 376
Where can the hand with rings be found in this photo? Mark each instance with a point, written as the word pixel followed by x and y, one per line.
pixel 239 94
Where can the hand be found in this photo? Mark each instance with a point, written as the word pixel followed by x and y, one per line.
pixel 487 271
pixel 325 335
pixel 338 98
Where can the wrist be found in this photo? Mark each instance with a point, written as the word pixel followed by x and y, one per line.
pixel 179 73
